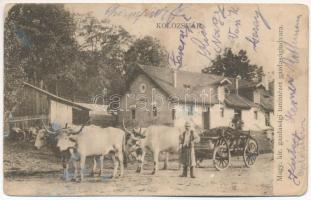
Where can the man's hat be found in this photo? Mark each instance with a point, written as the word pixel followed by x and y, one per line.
pixel 187 124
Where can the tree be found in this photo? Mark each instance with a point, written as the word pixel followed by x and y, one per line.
pixel 145 51
pixel 76 56
pixel 39 39
pixel 14 73
pixel 232 65
pixel 102 47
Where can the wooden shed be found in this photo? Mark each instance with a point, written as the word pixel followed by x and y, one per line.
pixel 39 104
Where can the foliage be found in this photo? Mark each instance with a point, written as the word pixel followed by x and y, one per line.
pixel 75 56
pixel 39 45
pixel 233 65
pixel 102 47
pixel 13 71
pixel 145 51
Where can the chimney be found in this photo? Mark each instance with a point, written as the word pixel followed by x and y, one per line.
pixel 175 78
pixel 237 84
pixel 105 92
pixel 265 82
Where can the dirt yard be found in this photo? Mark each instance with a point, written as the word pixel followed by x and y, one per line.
pixel 31 172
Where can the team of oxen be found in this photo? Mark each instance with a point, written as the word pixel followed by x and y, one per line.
pixel 74 144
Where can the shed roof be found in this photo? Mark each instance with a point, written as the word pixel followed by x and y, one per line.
pixel 96 108
pixel 55 97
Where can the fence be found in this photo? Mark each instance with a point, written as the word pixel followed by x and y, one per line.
pixel 25 122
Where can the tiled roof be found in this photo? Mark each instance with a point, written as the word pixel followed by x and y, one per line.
pixel 197 82
pixel 234 100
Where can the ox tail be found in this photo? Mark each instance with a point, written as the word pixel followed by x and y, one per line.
pixel 124 153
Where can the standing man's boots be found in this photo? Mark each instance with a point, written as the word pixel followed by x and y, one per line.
pixel 184 172
pixel 192 172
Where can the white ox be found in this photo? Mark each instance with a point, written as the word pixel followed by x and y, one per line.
pixel 157 139
pixel 93 140
pixel 48 138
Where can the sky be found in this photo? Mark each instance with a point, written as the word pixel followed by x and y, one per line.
pixel 216 27
pixel 224 26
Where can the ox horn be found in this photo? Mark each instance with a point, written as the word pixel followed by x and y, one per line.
pixel 126 130
pixel 79 131
pixel 129 132
pixel 138 130
pixel 47 130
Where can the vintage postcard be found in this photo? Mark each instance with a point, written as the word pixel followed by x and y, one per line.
pixel 155 99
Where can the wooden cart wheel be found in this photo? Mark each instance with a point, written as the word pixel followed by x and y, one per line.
pixel 250 152
pixel 221 155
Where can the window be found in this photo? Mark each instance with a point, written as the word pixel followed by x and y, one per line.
pixel 173 114
pixel 267 118
pixel 255 115
pixel 237 120
pixel 133 113
pixel 257 97
pixel 155 111
pixel 227 91
pixel 190 110
pixel 222 112
pixel 142 88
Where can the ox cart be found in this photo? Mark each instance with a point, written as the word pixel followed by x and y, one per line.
pixel 220 144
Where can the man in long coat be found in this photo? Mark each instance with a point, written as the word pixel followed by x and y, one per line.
pixel 186 141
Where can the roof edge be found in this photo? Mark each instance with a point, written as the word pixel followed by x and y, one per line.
pixel 55 97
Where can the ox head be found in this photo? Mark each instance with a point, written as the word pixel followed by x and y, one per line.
pixel 68 138
pixel 47 136
pixel 66 141
pixel 42 136
pixel 133 139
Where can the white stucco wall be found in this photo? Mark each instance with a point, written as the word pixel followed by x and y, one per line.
pixel 144 117
pixel 143 109
pixel 60 113
pixel 250 123
pixel 182 116
pixel 216 119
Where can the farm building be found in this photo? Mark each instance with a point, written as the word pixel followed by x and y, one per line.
pixel 99 115
pixel 164 96
pixel 39 104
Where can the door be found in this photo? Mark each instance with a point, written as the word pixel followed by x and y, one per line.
pixel 206 119
pixel 238 113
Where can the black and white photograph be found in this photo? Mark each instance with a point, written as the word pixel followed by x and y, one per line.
pixel 155 99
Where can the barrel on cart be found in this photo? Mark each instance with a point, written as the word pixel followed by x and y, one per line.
pixel 220 144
